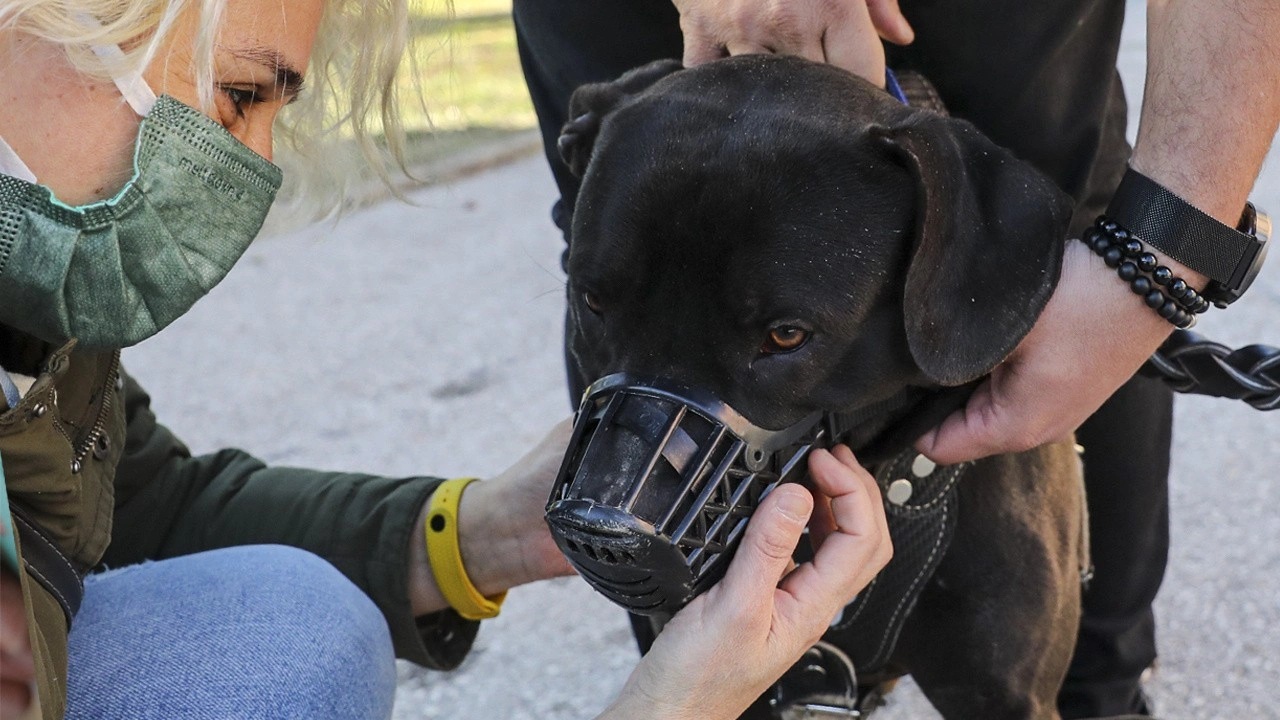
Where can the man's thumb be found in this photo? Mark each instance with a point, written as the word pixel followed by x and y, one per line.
pixel 771 538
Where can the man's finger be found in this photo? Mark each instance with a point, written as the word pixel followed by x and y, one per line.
pixel 853 44
pixel 974 431
pixel 851 509
pixel 823 522
pixel 700 48
pixel 746 47
pixel 890 22
pixel 845 456
pixel 810 51
pixel 849 557
pixel 770 539
pixel 829 485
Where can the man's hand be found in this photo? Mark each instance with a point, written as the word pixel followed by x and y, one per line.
pixel 1091 338
pixel 17 669
pixel 1094 334
pixel 844 33
pixel 726 647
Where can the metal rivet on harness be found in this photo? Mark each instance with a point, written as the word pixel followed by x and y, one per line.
pixel 900 491
pixel 39 410
pixel 922 466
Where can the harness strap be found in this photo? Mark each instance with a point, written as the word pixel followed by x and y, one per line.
pixel 921 501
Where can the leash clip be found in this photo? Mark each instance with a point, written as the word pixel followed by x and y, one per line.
pixel 822 685
pixel 818 712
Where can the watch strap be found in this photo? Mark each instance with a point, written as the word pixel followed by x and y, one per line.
pixel 1175 227
pixel 445 555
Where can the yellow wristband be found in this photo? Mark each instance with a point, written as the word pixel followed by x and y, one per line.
pixel 446 558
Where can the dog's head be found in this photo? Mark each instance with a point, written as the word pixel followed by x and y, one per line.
pixel 759 241
pixel 792 239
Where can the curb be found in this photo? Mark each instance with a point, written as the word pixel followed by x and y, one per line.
pixel 450 169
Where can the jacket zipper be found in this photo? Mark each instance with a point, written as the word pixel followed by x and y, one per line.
pixel 99 425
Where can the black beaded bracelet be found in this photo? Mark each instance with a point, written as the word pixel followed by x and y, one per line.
pixel 1171 297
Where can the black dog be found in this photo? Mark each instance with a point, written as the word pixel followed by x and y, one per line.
pixel 792 239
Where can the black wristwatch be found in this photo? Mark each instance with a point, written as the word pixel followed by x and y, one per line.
pixel 1230 257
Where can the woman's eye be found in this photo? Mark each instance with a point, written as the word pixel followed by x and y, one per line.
pixel 593 302
pixel 242 98
pixel 784 339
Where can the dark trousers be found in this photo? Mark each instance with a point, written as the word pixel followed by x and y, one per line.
pixel 1050 92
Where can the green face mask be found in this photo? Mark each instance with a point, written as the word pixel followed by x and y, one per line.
pixel 114 273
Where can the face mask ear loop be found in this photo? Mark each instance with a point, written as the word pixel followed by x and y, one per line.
pixel 135 90
pixel 12 165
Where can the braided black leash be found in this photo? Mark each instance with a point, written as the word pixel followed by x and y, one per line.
pixel 1190 363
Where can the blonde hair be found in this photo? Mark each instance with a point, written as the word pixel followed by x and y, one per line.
pixel 352 100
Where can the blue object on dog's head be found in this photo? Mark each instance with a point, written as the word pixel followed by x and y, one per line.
pixel 658 484
pixel 892 87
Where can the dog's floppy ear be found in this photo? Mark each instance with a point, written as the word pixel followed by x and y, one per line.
pixel 590 103
pixel 989 233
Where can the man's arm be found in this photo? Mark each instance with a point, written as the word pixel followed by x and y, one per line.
pixel 1212 102
pixel 1210 112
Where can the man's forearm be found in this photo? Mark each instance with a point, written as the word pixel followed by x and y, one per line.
pixel 1212 101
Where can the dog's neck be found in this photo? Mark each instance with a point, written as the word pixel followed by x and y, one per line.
pixel 878 432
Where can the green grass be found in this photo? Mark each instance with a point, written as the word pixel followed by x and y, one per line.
pixel 468 74
pixel 469 70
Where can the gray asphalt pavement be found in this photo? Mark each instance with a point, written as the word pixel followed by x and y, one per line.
pixel 425 339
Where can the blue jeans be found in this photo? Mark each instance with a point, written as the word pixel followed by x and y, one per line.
pixel 260 631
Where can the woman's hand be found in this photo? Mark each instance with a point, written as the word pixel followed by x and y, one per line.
pixel 501 531
pixel 725 648
pixel 844 33
pixel 17 669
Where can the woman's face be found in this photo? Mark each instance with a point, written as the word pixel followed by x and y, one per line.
pixel 82 145
pixel 259 62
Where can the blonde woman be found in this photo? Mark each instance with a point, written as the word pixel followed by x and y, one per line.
pixel 136 139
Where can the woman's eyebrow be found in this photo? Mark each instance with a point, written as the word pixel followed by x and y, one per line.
pixel 288 79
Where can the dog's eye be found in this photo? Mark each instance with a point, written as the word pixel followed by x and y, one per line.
pixel 593 302
pixel 785 338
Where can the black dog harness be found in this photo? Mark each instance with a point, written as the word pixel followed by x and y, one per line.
pixel 921 504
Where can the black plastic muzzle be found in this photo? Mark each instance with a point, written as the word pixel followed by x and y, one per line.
pixel 658 484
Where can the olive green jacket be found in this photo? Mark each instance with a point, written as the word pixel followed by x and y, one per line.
pixel 85 458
